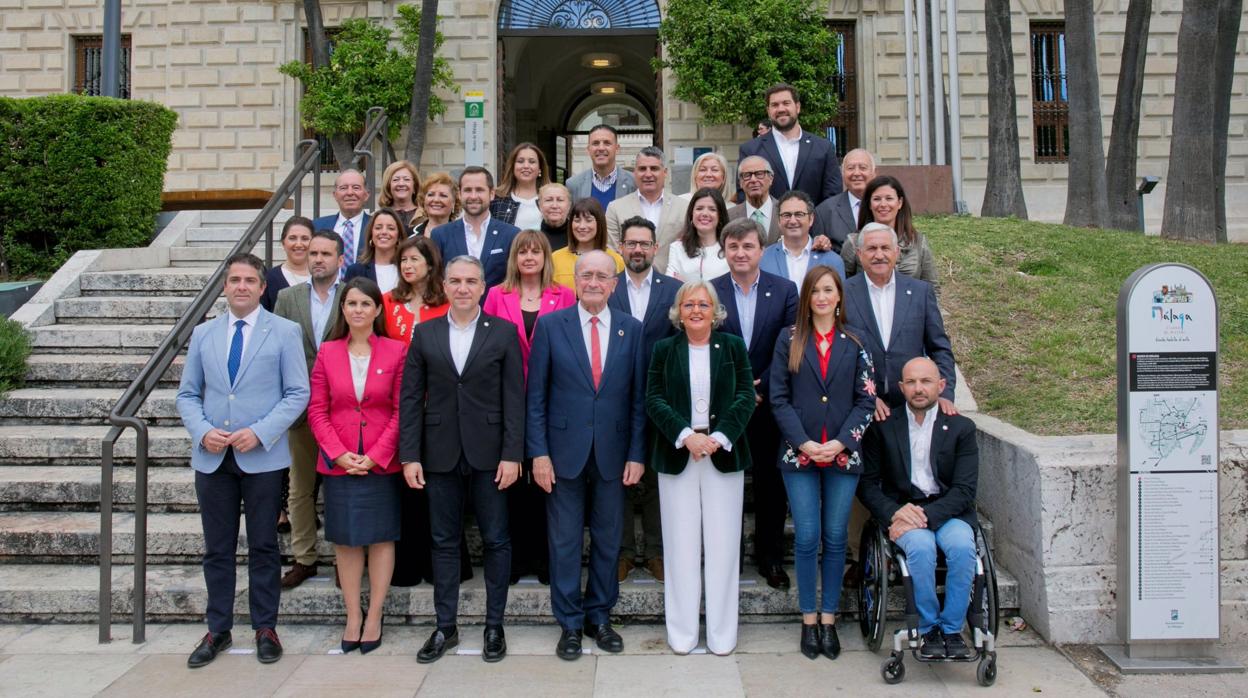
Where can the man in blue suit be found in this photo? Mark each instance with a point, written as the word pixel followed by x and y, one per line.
pixel 794 254
pixel 244 384
pixel 799 158
pixel 351 221
pixel 900 318
pixel 476 234
pixel 759 306
pixel 647 295
pixel 585 432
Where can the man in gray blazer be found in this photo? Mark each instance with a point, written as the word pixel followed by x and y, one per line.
pixel 605 181
pixel 837 218
pixel 313 305
pixel 755 176
pixel 665 210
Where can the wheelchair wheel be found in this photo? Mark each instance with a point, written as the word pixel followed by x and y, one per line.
pixel 893 669
pixel 986 672
pixel 991 604
pixel 872 587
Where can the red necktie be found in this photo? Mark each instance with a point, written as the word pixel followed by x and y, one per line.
pixel 595 352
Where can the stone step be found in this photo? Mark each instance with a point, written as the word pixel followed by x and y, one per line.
pixel 220 235
pixel 77 487
pixel 33 593
pixel 72 444
pixel 92 370
pixel 241 218
pixel 99 310
pixel 212 255
pixel 167 281
pixel 82 405
pixel 120 338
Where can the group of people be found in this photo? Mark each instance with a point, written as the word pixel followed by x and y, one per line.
pixel 515 348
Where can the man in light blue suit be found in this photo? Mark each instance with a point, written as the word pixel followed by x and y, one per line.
pixel 793 254
pixel 351 221
pixel 245 382
pixel 585 431
pixel 476 234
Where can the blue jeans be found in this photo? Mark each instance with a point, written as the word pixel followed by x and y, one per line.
pixel 820 499
pixel 957 539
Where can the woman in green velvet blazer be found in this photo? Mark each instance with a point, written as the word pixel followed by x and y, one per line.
pixel 699 397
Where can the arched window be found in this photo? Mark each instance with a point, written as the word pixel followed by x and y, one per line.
pixel 579 14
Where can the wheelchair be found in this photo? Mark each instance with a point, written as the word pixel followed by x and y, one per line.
pixel 883 564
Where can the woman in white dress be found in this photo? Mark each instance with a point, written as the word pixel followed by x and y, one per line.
pixel 697 256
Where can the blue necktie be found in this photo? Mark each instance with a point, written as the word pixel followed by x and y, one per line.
pixel 236 350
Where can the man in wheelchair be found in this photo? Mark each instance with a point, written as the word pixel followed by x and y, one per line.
pixel 919 478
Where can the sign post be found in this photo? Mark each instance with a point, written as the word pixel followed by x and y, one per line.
pixel 474 128
pixel 1169 589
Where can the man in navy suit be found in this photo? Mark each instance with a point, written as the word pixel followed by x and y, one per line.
pixel 244 384
pixel 837 218
pixel 900 318
pixel 647 295
pixel 585 432
pixel 759 306
pixel 351 221
pixel 476 234
pixel 799 158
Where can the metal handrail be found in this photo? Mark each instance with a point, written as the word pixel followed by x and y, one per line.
pixel 376 127
pixel 127 406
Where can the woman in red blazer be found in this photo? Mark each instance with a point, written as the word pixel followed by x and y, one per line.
pixel 418 295
pixel 528 292
pixel 354 416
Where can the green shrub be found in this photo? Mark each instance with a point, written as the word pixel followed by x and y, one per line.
pixel 14 348
pixel 78 173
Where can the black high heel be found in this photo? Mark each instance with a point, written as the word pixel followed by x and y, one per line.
pixel 367 646
pixel 349 646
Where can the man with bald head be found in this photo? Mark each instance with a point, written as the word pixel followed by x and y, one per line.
pixel 920 472
pixel 586 435
pixel 837 218
pixel 754 176
pixel 351 221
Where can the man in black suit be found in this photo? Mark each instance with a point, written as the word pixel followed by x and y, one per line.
pixel 466 440
pixel 647 295
pixel 799 158
pixel 920 472
pixel 759 306
pixel 837 218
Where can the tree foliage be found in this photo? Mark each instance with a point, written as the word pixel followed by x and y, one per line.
pixel 365 70
pixel 726 53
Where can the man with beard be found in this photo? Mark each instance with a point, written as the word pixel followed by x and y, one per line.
pixel 476 234
pixel 647 295
pixel 606 181
pixel 799 158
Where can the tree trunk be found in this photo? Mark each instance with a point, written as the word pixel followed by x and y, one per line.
pixel 1004 194
pixel 339 142
pixel 1229 15
pixel 1191 197
pixel 1085 186
pixel 422 83
pixel 1120 167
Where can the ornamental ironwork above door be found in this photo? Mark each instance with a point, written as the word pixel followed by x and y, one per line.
pixel 579 14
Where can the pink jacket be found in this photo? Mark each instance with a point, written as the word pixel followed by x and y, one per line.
pixel 340 422
pixel 506 304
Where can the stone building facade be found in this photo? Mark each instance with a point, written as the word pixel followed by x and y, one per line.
pixel 215 63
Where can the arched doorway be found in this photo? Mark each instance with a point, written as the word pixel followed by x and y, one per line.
pixel 562 63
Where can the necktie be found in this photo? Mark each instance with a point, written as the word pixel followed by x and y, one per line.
pixel 595 352
pixel 236 350
pixel 348 242
pixel 758 217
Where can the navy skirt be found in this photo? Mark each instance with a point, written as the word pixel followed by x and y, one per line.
pixel 362 509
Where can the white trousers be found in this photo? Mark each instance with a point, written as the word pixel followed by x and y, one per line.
pixel 701 509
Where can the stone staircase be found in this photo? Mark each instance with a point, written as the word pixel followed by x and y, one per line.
pixel 102 330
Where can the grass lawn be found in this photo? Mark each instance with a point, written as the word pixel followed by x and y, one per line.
pixel 1030 308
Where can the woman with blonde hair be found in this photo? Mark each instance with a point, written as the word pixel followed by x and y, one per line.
pixel 710 171
pixel 439 202
pixel 400 192
pixel 555 202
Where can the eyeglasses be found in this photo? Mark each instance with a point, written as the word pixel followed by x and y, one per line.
pixel 755 174
pixel 794 215
pixel 690 307
pixel 593 276
pixel 636 244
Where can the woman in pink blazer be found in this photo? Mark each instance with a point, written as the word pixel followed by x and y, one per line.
pixel 528 292
pixel 354 415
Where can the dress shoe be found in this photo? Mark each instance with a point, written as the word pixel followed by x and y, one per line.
pixel 367 646
pixel 569 646
pixel 830 642
pixel 810 640
pixel 655 567
pixel 283 523
pixel 625 567
pixel 437 645
pixel 349 646
pixel 933 645
pixel 775 575
pixel 208 648
pixel 605 637
pixel 543 574
pixel 955 646
pixel 495 647
pixel 268 647
pixel 298 574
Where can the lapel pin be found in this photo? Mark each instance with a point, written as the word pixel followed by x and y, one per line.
pixel 621 333
pixel 907 292
pixel 716 346
pixel 379 371
pixel 552 301
pixel 768 294
pixel 486 323
pixel 944 427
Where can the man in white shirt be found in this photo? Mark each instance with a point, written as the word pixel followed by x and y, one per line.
pixel 799 158
pixel 667 213
pixel 756 177
pixel 837 218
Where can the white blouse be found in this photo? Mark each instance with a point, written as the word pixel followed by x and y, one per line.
pixel 700 385
pixel 387 276
pixel 359 374
pixel 528 217
pixel 707 265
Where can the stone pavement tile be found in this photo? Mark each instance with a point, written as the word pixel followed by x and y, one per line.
pixel 355 674
pixel 1021 671
pixel 82 639
pixel 228 675
pixel 783 638
pixel 515 677
pixel 60 675
pixel 181 638
pixel 857 673
pixel 640 638
pixel 1016 638
pixel 668 675
pixel 8 633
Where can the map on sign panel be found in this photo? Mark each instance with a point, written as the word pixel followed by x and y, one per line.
pixel 1172 425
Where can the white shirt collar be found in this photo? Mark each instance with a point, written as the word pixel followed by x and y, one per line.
pixel 928 417
pixel 892 283
pixel 647 281
pixel 604 315
pixel 647 202
pixel 765 208
pixel 782 139
pixel 456 326
pixel 250 318
pixel 805 250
